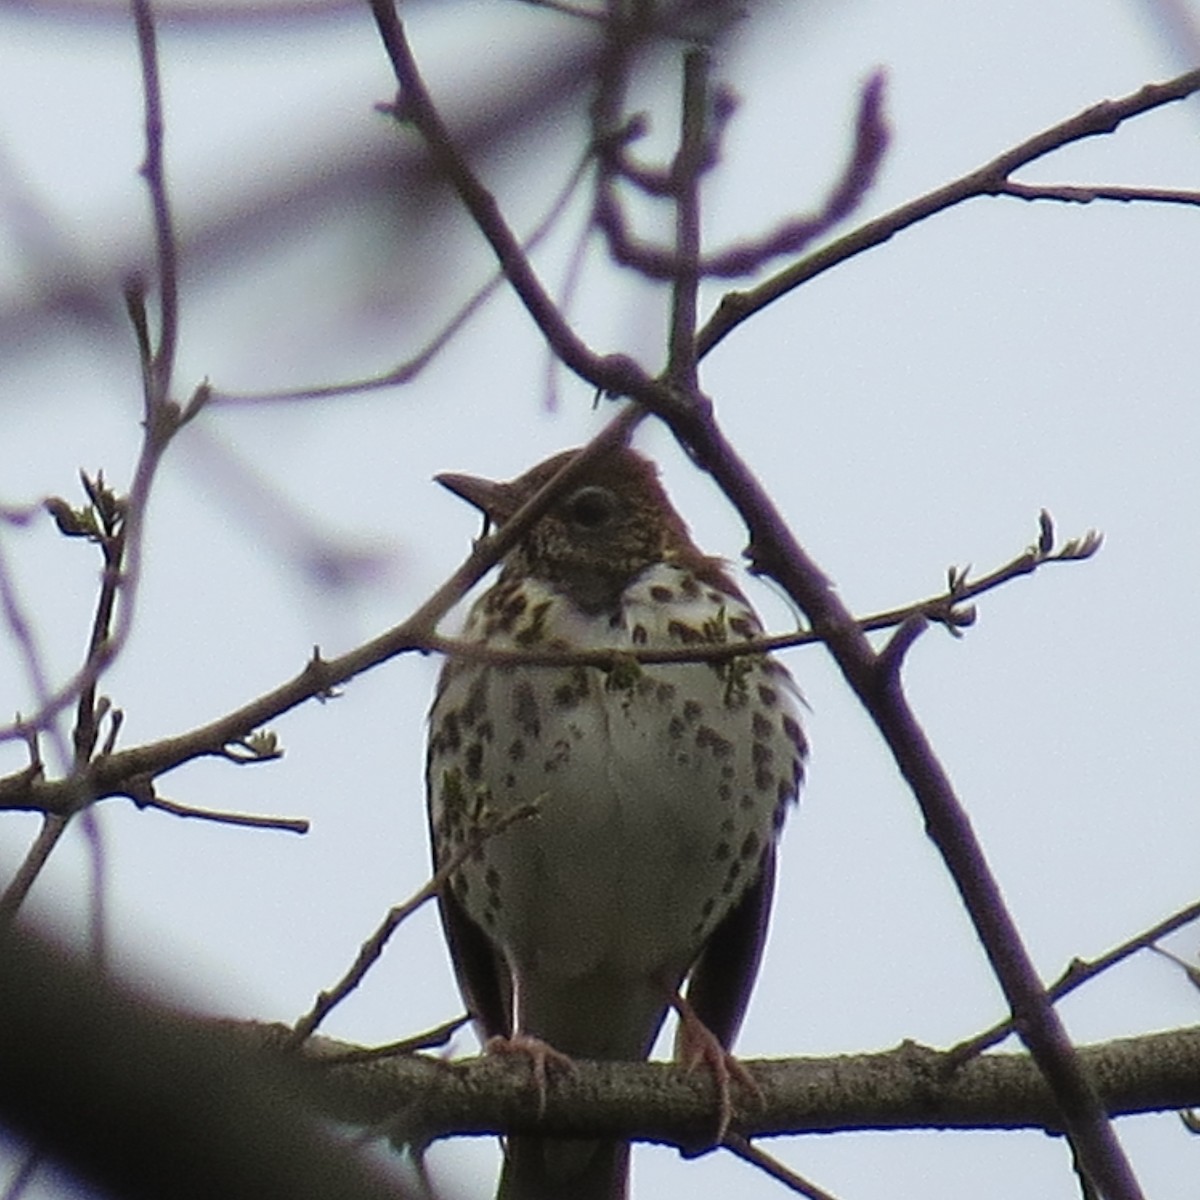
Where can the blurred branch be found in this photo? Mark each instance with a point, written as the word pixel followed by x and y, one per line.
pixel 992 179
pixel 408 370
pixel 191 14
pixel 792 236
pixel 616 374
pixel 119 1090
pixel 144 1103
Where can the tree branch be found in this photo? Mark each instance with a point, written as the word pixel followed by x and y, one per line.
pixel 989 180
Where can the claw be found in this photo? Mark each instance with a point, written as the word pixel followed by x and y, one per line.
pixel 695 1043
pixel 542 1056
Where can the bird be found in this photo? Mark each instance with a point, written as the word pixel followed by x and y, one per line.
pixel 660 791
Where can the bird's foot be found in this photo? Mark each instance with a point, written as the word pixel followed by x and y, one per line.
pixel 695 1043
pixel 542 1057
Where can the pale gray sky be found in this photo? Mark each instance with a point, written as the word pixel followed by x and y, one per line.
pixel 912 409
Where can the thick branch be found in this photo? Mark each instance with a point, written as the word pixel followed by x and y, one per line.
pixel 910 1087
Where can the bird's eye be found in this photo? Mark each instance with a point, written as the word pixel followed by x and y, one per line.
pixel 591 507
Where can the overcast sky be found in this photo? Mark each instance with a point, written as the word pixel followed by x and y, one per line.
pixel 912 409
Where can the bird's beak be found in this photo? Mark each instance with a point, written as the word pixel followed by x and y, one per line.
pixel 492 499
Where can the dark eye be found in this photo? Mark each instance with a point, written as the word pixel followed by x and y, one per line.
pixel 591 507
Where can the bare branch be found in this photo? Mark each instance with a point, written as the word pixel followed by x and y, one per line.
pixel 1086 194
pixel 791 237
pixel 408 370
pixel 905 1088
pixel 116 774
pixel 775 550
pixel 1078 972
pixel 163 362
pixel 615 373
pixel 374 946
pixel 147 797
pixel 989 180
pixel 745 1149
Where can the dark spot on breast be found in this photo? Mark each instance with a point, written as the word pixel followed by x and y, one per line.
pixel 560 754
pixel 663 595
pixel 794 734
pixel 724 792
pixel 764 778
pixel 473 761
pixel 760 726
pixel 504 604
pixel 743 627
pixel 525 709
pixel 684 633
pixel 689 587
pixel 475 704
pixel 516 752
pixel 675 728
pixel 692 711
pixel 722 851
pixel 448 738
pixel 750 845
pixel 664 693
pixel 534 629
pixel 639 636
pixel 708 738
pixel 768 695
pixel 761 754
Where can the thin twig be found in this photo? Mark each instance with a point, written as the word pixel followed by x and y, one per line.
pixel 439 1035
pixel 685 176
pixel 1086 194
pixel 988 180
pixel 154 172
pixel 1077 973
pixel 114 774
pixel 614 373
pixel 410 368
pixel 245 820
pixel 50 834
pixel 790 238
pixel 745 1149
pixel 374 946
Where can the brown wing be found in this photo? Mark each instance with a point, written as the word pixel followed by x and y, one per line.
pixel 721 982
pixel 482 974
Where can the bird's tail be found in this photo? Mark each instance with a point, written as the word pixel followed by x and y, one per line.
pixel 557 1169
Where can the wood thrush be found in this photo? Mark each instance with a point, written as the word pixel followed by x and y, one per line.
pixel 660 793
